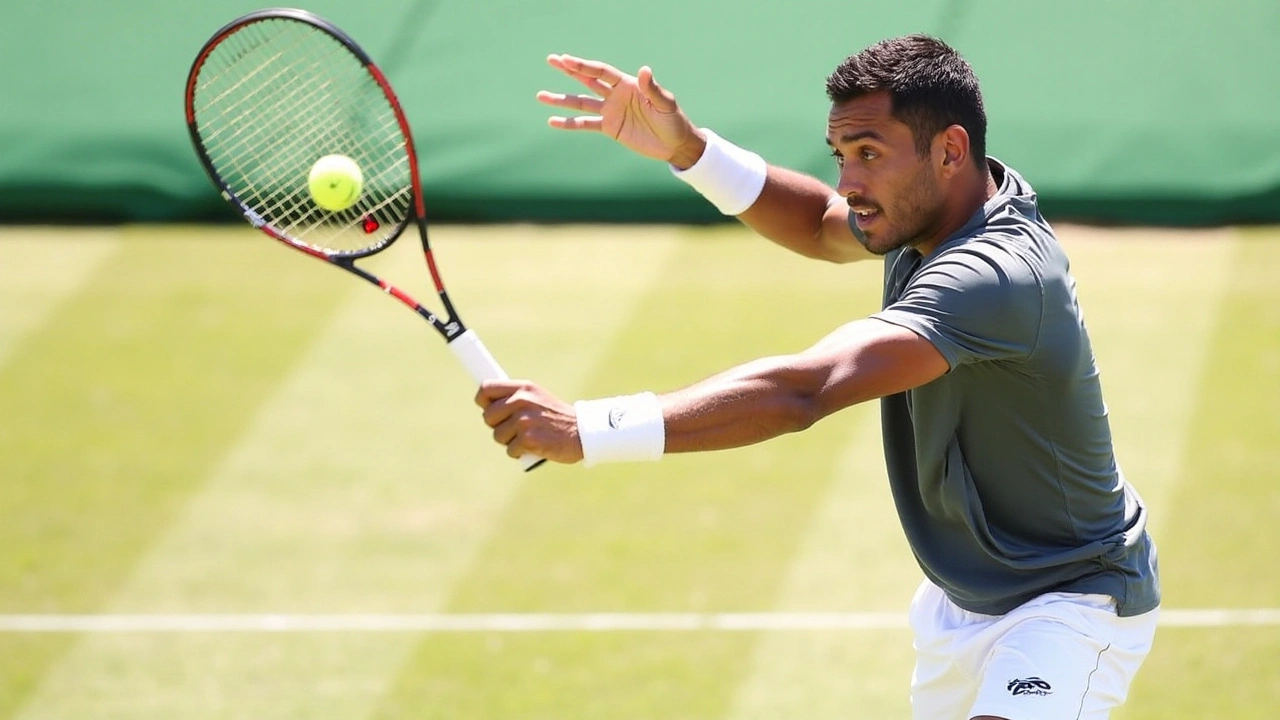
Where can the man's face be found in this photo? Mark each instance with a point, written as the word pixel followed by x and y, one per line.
pixel 892 191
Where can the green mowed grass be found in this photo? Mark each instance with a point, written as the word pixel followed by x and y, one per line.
pixel 198 421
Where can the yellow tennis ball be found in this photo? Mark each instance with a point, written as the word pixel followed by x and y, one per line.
pixel 335 182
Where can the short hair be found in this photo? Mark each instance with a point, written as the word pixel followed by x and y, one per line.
pixel 931 87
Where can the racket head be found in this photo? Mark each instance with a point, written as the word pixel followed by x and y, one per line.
pixel 274 91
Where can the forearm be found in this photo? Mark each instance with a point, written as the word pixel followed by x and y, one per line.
pixel 750 403
pixel 741 406
pixel 794 210
pixel 745 405
pixel 804 215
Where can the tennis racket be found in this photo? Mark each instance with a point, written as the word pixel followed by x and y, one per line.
pixel 274 91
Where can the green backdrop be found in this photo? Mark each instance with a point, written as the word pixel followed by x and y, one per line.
pixel 1165 112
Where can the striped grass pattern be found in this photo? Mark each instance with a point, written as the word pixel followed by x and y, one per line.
pixel 190 427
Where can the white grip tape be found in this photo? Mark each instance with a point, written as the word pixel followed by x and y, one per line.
pixel 476 358
pixel 621 429
pixel 731 177
pixel 479 362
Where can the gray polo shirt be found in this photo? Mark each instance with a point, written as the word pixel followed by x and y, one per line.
pixel 1002 470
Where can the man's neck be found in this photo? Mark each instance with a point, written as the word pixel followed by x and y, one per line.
pixel 979 187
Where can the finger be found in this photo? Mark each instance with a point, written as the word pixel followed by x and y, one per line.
pixel 581 103
pixel 494 396
pixel 505 431
pixel 661 98
pixel 588 68
pixel 599 77
pixel 498 389
pixel 507 434
pixel 582 122
pixel 597 86
pixel 498 412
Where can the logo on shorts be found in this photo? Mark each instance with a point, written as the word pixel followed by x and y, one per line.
pixel 1029 686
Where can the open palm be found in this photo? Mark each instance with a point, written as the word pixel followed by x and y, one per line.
pixel 632 109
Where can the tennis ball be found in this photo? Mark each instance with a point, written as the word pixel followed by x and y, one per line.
pixel 335 182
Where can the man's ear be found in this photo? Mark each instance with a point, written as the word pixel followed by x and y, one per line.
pixel 954 143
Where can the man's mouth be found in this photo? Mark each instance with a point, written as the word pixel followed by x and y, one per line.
pixel 864 215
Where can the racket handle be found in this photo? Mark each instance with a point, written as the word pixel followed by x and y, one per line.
pixel 479 362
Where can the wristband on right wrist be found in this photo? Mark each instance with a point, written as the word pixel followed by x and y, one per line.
pixel 729 176
pixel 620 429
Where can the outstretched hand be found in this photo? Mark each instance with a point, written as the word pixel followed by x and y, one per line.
pixel 527 419
pixel 632 109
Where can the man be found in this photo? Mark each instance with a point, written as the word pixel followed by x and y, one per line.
pixel 1041 595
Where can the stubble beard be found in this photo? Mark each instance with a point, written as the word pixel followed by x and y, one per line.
pixel 920 202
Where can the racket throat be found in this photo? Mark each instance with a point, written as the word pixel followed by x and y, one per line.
pixel 452 329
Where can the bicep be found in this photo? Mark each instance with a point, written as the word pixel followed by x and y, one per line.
pixel 869 359
pixel 837 235
pixel 804 215
pixel 765 398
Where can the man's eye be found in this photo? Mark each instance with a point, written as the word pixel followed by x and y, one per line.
pixel 839 158
pixel 869 154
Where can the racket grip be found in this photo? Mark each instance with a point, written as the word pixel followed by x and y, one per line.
pixel 479 362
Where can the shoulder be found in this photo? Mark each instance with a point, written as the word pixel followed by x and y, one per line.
pixel 983 268
pixel 987 287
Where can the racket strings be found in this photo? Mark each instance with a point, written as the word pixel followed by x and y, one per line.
pixel 275 96
pixel 229 104
pixel 302 99
pixel 249 136
pixel 292 208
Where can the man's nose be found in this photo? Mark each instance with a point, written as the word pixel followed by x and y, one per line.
pixel 851 183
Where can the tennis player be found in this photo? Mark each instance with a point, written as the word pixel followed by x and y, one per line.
pixel 1040 595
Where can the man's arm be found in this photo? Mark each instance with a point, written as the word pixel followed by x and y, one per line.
pixel 747 404
pixel 863 360
pixel 796 211
pixel 804 215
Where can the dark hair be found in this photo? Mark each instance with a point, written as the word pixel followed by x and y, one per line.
pixel 930 85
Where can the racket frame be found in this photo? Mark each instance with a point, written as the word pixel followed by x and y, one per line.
pixel 464 343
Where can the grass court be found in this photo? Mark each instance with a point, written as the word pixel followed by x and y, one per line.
pixel 201 430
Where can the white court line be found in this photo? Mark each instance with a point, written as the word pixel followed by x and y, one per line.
pixel 538 622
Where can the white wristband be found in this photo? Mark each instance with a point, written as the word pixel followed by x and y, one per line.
pixel 620 429
pixel 729 176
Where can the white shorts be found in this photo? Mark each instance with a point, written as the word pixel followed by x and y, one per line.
pixel 1061 656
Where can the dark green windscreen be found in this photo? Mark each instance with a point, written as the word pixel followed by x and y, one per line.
pixel 1115 111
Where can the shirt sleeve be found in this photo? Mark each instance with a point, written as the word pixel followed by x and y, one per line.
pixel 974 303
